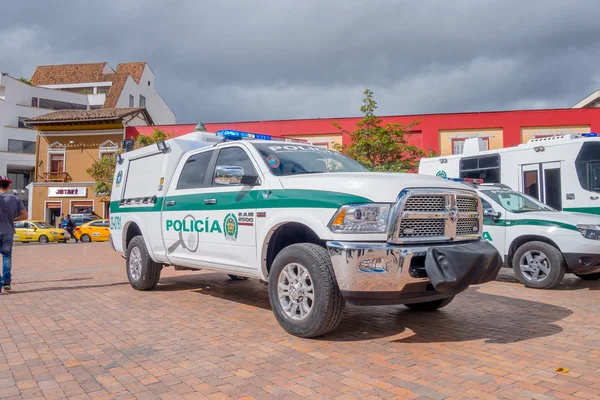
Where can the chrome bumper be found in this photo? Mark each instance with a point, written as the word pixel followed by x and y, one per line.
pixel 381 273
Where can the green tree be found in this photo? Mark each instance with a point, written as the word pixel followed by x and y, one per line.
pixel 103 169
pixel 381 147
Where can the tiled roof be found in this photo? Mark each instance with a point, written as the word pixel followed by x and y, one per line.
pixel 86 73
pixel 67 73
pixel 85 115
pixel 135 69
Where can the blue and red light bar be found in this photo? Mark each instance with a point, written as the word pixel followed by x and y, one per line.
pixel 468 180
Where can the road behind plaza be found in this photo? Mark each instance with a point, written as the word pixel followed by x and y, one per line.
pixel 74 328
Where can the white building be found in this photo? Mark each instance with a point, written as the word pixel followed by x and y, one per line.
pixel 68 87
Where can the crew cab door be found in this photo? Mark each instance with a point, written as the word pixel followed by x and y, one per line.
pixel 184 217
pixel 231 208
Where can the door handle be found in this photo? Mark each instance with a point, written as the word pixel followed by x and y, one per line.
pixel 593 197
pixel 170 203
pixel 210 201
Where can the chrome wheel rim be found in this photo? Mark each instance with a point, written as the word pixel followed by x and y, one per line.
pixel 43 239
pixel 296 291
pixel 535 266
pixel 85 238
pixel 135 263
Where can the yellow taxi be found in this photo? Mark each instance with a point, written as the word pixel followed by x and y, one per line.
pixel 93 231
pixel 38 231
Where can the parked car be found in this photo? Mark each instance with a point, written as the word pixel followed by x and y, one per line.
pixel 316 225
pixel 37 231
pixel 80 219
pixel 540 243
pixel 93 231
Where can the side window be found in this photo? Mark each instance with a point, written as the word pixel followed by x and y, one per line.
pixel 19 225
pixel 27 225
pixel 194 171
pixel 104 224
pixel 95 224
pixel 235 156
pixel 485 205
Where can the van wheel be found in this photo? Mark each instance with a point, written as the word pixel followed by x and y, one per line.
pixel 539 265
pixel 589 277
pixel 430 305
pixel 237 277
pixel 142 271
pixel 43 239
pixel 85 238
pixel 303 291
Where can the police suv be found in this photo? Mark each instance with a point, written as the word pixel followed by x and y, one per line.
pixel 537 241
pixel 314 224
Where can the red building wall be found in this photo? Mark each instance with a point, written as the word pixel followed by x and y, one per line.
pixel 426 134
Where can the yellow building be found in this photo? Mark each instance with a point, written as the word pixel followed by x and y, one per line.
pixel 68 143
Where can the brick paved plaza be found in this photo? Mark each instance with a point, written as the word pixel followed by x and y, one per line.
pixel 73 328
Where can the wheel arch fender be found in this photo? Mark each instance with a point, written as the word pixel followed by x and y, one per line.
pixel 134 227
pixel 521 240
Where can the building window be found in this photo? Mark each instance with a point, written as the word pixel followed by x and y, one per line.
pixel 60 105
pixel 57 162
pixel 108 149
pixel 459 144
pixel 142 101
pixel 102 89
pixel 20 178
pixel 21 146
pixel 21 123
pixel 34 102
pixel 148 83
pixel 131 100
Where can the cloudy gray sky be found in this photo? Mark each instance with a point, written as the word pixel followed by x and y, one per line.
pixel 226 60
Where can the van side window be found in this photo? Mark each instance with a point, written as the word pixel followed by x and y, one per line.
pixel 484 167
pixel 236 156
pixel 194 171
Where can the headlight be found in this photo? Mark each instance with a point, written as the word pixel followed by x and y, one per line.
pixel 361 218
pixel 590 231
pixel 53 233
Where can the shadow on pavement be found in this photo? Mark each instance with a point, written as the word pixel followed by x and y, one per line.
pixel 569 282
pixel 58 280
pixel 16 290
pixel 473 315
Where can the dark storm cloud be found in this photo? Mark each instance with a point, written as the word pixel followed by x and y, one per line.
pixel 240 60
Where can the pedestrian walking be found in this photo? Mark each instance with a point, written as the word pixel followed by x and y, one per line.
pixel 60 220
pixel 71 227
pixel 11 210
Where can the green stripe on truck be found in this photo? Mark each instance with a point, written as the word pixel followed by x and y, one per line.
pixel 585 210
pixel 530 222
pixel 281 198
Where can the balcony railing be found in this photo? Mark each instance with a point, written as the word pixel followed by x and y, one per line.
pixel 56 177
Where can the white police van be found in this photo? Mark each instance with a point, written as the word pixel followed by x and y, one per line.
pixel 537 241
pixel 560 171
pixel 315 224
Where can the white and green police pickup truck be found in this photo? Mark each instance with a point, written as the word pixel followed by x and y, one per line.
pixel 314 224
pixel 538 242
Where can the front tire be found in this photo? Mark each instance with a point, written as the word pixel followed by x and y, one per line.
pixel 303 291
pixel 430 305
pixel 85 238
pixel 143 273
pixel 43 239
pixel 589 277
pixel 539 265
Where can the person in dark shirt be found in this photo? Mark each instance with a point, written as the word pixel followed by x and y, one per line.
pixel 71 227
pixel 11 210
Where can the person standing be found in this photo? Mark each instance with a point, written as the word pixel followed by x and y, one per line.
pixel 71 227
pixel 11 210
pixel 60 220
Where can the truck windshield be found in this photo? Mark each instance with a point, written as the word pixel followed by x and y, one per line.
pixel 516 202
pixel 587 165
pixel 297 159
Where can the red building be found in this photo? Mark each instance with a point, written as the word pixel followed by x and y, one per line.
pixel 442 133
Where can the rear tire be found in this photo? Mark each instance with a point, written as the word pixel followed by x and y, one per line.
pixel 237 277
pixel 43 239
pixel 430 305
pixel 143 273
pixel 85 238
pixel 539 265
pixel 589 277
pixel 303 291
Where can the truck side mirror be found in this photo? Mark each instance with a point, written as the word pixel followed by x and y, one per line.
pixel 490 213
pixel 228 175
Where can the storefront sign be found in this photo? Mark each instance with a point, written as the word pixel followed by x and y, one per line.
pixel 67 192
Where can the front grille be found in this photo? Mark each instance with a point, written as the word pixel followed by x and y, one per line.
pixel 467 226
pixel 422 227
pixel 425 203
pixel 466 204
pixel 436 215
